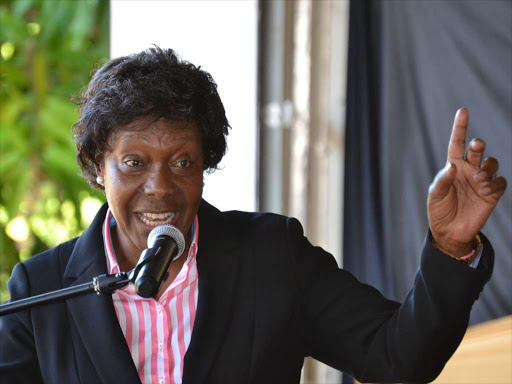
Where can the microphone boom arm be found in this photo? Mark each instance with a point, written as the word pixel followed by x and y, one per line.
pixel 102 285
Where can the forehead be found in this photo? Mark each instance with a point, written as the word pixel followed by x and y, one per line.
pixel 159 131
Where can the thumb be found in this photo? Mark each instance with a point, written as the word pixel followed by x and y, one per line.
pixel 443 181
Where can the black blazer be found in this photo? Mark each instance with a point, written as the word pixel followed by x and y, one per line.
pixel 267 298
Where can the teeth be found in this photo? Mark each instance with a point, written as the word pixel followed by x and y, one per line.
pixel 156 218
pixel 158 215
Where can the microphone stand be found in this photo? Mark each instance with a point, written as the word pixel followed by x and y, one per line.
pixel 102 285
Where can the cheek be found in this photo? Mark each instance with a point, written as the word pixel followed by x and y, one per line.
pixel 119 190
pixel 193 192
pixel 195 189
pixel 119 181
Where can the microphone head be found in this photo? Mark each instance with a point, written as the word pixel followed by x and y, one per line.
pixel 169 231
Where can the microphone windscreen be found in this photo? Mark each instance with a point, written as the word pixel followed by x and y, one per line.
pixel 170 231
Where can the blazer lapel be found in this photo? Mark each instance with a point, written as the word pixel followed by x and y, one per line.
pixel 218 270
pixel 94 315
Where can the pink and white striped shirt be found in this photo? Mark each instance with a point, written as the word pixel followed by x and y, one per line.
pixel 157 331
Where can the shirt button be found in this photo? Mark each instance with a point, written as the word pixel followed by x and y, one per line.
pixel 162 381
pixel 160 345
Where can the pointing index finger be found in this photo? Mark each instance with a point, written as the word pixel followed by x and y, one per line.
pixel 457 145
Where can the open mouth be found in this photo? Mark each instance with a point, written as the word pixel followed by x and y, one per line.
pixel 154 219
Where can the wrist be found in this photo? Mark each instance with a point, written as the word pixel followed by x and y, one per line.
pixel 454 248
pixel 458 251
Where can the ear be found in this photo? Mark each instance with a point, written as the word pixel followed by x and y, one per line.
pixel 99 170
pixel 99 165
pixel 100 180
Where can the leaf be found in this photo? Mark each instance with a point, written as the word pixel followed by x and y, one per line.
pixel 54 20
pixel 13 29
pixel 13 193
pixel 40 76
pixel 8 162
pixel 82 22
pixel 56 118
pixel 13 137
pixel 11 75
pixel 20 7
pixel 12 108
pixel 58 161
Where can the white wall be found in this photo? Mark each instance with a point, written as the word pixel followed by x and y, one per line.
pixel 221 37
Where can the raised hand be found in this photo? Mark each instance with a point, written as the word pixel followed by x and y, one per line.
pixel 464 193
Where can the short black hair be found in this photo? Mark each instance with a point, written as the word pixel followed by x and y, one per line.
pixel 153 84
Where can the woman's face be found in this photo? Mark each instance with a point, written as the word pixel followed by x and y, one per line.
pixel 152 176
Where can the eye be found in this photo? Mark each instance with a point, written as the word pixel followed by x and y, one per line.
pixel 183 163
pixel 133 163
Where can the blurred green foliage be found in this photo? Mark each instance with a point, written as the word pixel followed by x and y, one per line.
pixel 47 52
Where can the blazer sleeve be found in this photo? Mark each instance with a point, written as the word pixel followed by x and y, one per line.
pixel 352 327
pixel 18 357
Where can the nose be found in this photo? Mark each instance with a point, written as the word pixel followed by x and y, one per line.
pixel 160 182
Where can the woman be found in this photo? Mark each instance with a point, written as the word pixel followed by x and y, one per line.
pixel 251 297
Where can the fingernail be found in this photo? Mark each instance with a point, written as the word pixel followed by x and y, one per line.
pixel 486 191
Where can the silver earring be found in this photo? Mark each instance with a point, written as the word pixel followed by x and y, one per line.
pixel 99 180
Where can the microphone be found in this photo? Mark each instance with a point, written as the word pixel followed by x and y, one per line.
pixel 165 244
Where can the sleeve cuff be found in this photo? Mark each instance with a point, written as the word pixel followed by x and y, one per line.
pixel 449 275
pixel 475 262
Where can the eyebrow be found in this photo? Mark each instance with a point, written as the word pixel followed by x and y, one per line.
pixel 144 138
pixel 134 136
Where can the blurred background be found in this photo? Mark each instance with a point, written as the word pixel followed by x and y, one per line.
pixel 341 113
pixel 48 51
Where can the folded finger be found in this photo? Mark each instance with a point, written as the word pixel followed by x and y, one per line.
pixel 488 168
pixel 457 145
pixel 495 187
pixel 475 152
